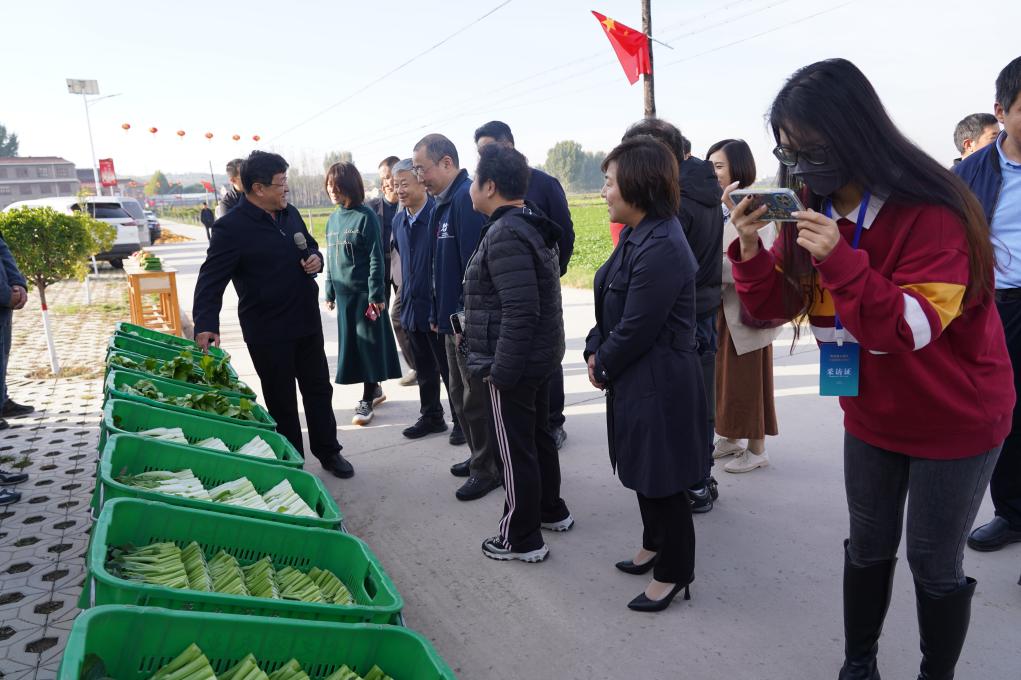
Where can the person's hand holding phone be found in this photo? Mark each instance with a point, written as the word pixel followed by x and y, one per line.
pixel 817 234
pixel 747 222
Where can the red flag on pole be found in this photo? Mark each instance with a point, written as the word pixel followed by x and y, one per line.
pixel 207 186
pixel 631 46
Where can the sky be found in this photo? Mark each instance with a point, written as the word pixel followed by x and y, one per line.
pixel 301 74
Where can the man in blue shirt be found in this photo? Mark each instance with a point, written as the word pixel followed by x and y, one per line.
pixel 994 174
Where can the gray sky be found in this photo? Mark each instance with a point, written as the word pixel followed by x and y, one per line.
pixel 542 66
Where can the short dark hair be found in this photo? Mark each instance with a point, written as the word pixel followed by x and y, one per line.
pixel 259 168
pixel 739 158
pixel 661 130
pixel 1008 84
pixel 506 167
pixel 647 175
pixel 389 161
pixel 234 167
pixel 436 147
pixel 498 130
pixel 971 127
pixel 345 176
pixel 685 145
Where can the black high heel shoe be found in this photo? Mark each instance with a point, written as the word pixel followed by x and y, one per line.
pixel 629 567
pixel 644 604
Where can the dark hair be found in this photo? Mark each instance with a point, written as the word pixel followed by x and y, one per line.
pixel 661 130
pixel 234 167
pixel 436 147
pixel 1008 84
pixel 834 100
pixel 389 161
pixel 739 158
pixel 647 175
pixel 971 127
pixel 685 145
pixel 259 168
pixel 348 180
pixel 506 167
pixel 498 130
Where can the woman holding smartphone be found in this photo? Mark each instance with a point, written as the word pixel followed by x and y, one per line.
pixel 366 350
pixel 893 266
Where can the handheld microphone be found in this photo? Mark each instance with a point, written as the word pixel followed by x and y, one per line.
pixel 302 245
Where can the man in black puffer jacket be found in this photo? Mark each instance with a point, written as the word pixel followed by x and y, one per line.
pixel 514 330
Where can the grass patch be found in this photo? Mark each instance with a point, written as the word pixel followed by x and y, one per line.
pixel 23 463
pixel 120 307
pixel 44 372
pixel 4 460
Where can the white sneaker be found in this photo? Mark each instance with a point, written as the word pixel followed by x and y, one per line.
pixel 724 447
pixel 563 525
pixel 747 461
pixel 363 414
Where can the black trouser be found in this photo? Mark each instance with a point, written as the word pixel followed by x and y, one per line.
pixel 431 366
pixel 670 533
pixel 279 365
pixel 706 337
pixel 1005 486
pixel 403 341
pixel 556 398
pixel 531 464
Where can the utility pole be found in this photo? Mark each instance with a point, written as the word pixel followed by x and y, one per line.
pixel 650 93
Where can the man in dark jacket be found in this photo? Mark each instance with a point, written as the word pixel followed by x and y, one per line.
pixel 994 174
pixel 456 227
pixel 386 206
pixel 515 335
pixel 278 305
pixel 544 192
pixel 236 190
pixel 207 219
pixel 701 218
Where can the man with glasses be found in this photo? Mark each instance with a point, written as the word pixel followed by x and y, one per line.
pixel 456 227
pixel 278 305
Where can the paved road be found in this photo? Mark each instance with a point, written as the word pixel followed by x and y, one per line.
pixel 766 597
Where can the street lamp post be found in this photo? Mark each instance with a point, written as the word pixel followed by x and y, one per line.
pixel 85 88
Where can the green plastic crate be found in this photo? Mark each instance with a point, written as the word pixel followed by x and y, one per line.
pixel 128 343
pixel 135 642
pixel 127 417
pixel 145 374
pixel 131 454
pixel 151 336
pixel 115 379
pixel 126 521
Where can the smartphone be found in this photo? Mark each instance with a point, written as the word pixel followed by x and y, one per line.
pixel 371 314
pixel 455 323
pixel 780 203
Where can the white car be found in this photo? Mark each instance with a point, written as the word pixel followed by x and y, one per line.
pixel 132 234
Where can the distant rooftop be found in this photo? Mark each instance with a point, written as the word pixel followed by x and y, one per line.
pixel 31 160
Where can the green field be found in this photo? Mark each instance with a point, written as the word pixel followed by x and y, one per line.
pixel 592 243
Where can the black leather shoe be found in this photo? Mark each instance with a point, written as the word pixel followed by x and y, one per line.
pixel 461 469
pixel 11 478
pixel 629 567
pixel 559 437
pixel 714 488
pixel 701 500
pixel 339 467
pixel 644 604
pixel 456 436
pixel 13 409
pixel 4 424
pixel 423 427
pixel 7 496
pixel 475 488
pixel 993 535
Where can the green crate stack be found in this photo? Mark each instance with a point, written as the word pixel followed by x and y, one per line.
pixel 134 347
pixel 166 339
pixel 142 373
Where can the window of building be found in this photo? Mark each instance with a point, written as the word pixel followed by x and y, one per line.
pixel 64 187
pixel 42 171
pixel 22 172
pixel 5 190
pixel 63 171
pixel 24 189
pixel 3 173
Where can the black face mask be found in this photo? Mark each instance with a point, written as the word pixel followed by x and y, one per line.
pixel 823 180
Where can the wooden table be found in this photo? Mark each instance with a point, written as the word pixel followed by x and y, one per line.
pixel 152 297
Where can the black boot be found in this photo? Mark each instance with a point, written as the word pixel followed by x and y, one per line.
pixel 942 626
pixel 867 592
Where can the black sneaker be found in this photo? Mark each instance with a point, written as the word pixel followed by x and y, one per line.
pixel 4 424
pixel 457 437
pixel 476 487
pixel 338 466
pixel 714 488
pixel 701 499
pixel 462 469
pixel 363 414
pixel 378 397
pixel 423 427
pixel 7 496
pixel 559 437
pixel 13 409
pixel 12 478
pixel 495 549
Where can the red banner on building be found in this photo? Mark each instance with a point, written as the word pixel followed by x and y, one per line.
pixel 107 175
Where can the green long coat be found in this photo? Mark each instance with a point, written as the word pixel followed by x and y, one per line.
pixel 367 351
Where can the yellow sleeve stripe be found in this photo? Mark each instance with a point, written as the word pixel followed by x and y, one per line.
pixel 946 298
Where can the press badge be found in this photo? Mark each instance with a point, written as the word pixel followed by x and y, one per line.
pixel 838 369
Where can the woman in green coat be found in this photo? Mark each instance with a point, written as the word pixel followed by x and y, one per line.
pixel 367 352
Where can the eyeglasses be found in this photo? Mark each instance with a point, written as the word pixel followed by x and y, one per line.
pixel 817 154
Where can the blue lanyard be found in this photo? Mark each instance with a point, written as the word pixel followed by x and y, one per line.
pixel 859 227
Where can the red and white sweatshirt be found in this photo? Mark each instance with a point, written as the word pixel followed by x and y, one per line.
pixel 935 378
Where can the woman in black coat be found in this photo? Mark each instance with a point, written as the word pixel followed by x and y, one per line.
pixel 642 351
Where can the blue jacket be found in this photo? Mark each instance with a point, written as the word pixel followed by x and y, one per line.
pixel 457 228
pixel 549 197
pixel 9 274
pixel 981 171
pixel 415 244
